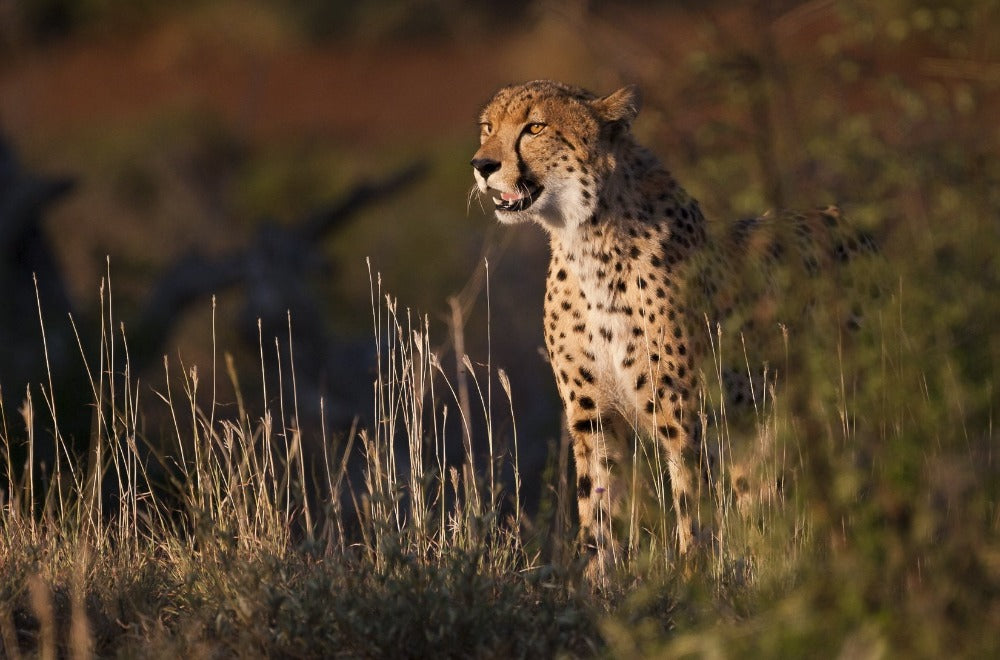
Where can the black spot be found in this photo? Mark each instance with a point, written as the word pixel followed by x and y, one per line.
pixel 606 334
pixel 561 275
pixel 640 381
pixel 587 403
pixel 650 407
pixel 583 487
pixel 742 485
pixel 634 252
pixel 586 425
pixel 565 305
pixel 586 375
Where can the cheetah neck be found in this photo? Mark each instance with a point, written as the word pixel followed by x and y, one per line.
pixel 624 222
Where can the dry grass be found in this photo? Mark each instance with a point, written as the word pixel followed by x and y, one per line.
pixel 229 540
pixel 141 549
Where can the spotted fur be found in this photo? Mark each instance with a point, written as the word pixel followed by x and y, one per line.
pixel 629 256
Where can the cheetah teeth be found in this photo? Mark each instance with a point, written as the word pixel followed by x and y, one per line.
pixel 516 201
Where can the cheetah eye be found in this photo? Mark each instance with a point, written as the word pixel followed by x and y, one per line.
pixel 485 128
pixel 535 128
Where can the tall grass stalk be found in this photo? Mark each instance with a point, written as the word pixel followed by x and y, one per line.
pixel 223 486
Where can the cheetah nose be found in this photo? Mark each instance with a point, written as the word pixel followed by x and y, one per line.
pixel 485 166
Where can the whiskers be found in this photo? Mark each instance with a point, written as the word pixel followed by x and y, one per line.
pixel 525 191
pixel 474 193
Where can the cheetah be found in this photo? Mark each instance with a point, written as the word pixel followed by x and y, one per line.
pixel 629 252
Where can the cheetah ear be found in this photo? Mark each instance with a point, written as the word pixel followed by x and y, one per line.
pixel 619 107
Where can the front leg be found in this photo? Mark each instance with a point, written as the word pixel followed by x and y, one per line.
pixel 597 452
pixel 597 432
pixel 665 384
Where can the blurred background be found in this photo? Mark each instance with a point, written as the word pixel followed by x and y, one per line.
pixel 208 146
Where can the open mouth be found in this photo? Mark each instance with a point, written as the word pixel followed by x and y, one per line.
pixel 524 197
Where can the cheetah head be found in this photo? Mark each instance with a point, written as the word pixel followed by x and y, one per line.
pixel 545 147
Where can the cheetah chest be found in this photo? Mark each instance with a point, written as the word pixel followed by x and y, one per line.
pixel 598 326
pixel 615 357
